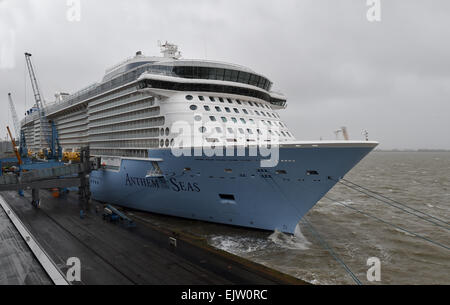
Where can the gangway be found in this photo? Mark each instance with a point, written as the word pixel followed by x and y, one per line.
pixel 113 214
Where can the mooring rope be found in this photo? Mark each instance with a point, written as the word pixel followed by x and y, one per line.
pixel 330 250
pixel 388 223
pixel 369 193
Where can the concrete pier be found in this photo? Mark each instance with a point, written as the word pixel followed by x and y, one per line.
pixel 18 265
pixel 113 254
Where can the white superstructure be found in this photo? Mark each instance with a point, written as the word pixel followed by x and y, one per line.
pixel 137 102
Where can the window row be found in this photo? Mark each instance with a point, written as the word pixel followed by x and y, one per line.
pixel 212 118
pixel 229 101
pixel 125 99
pixel 137 124
pixel 135 115
pixel 146 103
pixel 133 134
pixel 237 111
pixel 126 144
pixel 243 131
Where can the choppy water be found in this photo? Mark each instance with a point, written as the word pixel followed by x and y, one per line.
pixel 420 180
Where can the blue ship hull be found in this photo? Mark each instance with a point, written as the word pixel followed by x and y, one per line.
pixel 230 190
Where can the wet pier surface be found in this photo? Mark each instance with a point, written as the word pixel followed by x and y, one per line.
pixel 18 266
pixel 114 254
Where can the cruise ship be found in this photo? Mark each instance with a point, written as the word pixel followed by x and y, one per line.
pixel 196 139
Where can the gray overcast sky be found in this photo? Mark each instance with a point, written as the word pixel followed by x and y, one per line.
pixel 336 68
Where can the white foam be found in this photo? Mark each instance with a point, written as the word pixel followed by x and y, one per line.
pixel 238 245
pixel 293 242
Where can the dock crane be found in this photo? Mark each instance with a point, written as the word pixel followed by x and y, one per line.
pixel 14 116
pixel 47 128
pixel 19 134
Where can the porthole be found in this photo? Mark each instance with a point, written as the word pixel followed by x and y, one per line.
pixel 167 142
pixel 172 142
pixel 193 107
pixel 162 143
pixel 198 118
pixel 189 97
pixel 162 132
pixel 167 131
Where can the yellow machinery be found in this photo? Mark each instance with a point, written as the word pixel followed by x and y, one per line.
pixel 71 156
